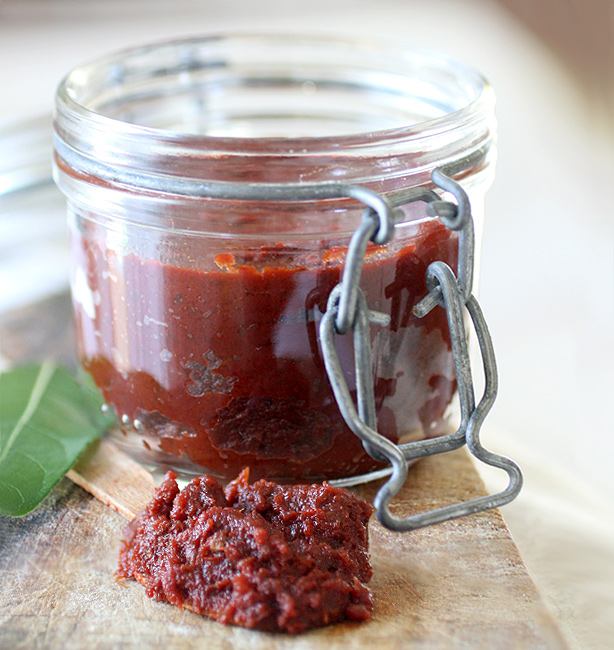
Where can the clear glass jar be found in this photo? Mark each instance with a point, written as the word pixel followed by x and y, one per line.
pixel 197 297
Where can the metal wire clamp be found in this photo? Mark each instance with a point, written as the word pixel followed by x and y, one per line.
pixel 347 311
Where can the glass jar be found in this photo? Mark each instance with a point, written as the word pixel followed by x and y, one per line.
pixel 204 247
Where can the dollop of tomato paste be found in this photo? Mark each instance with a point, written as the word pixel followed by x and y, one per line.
pixel 264 556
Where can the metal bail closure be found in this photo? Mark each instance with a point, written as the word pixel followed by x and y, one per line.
pixel 347 310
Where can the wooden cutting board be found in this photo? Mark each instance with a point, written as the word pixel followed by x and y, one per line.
pixel 461 584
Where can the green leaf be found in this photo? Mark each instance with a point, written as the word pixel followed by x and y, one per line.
pixel 47 419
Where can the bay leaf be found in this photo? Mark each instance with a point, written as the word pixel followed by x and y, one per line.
pixel 47 418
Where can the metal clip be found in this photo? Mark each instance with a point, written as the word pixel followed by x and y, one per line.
pixel 347 310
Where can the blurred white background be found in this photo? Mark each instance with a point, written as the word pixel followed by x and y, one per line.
pixel 547 272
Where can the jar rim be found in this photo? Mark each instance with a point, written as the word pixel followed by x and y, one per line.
pixel 120 152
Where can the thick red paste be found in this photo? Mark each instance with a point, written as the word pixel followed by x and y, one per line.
pixel 215 360
pixel 262 556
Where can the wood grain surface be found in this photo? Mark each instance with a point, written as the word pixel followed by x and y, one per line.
pixel 461 584
pixel 113 478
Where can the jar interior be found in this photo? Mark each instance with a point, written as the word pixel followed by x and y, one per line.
pixel 251 87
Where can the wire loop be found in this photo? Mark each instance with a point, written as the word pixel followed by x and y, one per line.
pixel 347 311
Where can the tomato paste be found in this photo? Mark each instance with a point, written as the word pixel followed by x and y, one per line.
pixel 262 556
pixel 213 363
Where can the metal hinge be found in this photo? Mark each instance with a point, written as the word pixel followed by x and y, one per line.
pixel 347 312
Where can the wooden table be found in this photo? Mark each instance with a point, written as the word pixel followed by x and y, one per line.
pixel 461 584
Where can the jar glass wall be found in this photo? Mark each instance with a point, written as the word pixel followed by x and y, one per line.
pixel 203 251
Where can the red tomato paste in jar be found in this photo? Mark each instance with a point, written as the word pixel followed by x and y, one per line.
pixel 217 368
